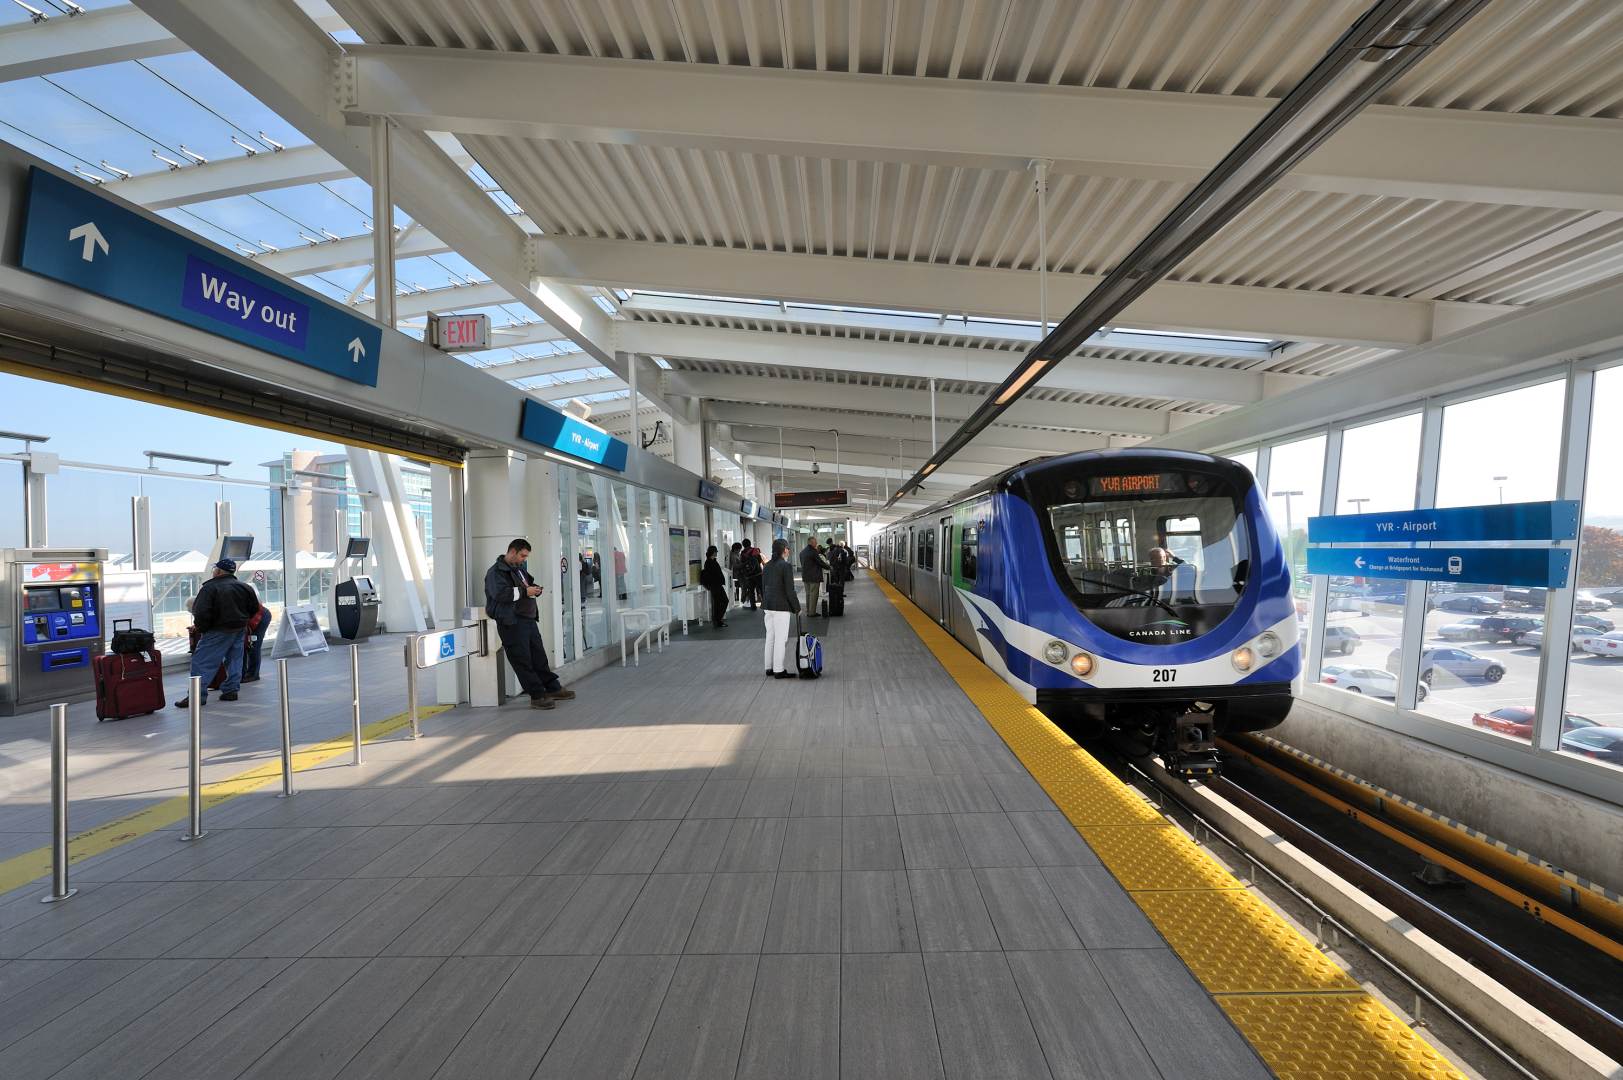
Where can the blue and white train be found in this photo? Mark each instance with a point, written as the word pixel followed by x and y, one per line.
pixel 1137 590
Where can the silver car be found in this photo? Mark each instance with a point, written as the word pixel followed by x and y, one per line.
pixel 1364 680
pixel 1607 645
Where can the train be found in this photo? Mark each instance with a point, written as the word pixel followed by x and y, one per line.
pixel 1135 591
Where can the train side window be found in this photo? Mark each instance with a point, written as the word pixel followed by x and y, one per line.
pixel 969 550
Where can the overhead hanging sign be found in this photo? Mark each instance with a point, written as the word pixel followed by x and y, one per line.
pixel 459 333
pixel 799 500
pixel 708 491
pixel 551 428
pixel 1546 567
pixel 746 508
pixel 81 238
pixel 1512 521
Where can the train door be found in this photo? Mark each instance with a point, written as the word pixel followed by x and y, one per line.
pixel 910 547
pixel 943 568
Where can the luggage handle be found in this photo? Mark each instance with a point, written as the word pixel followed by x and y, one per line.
pixel 129 624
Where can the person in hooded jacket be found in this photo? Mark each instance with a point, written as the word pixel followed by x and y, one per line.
pixel 511 601
pixel 749 568
pixel 715 583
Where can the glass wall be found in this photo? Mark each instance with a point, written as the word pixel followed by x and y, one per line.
pixel 1478 665
pixel 1594 696
pixel 1295 479
pixel 1363 628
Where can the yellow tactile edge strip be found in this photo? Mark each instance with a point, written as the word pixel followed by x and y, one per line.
pixel 1303 1014
pixel 19 870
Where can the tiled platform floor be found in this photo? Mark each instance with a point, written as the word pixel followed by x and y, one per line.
pixel 691 871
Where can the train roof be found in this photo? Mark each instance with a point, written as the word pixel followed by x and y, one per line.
pixel 1003 479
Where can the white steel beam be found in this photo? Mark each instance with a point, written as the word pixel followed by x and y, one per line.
pixel 990 458
pixel 278 54
pixel 799 468
pixel 913 430
pixel 579 388
pixel 224 177
pixel 414 305
pixel 1281 314
pixel 951 407
pixel 542 365
pixel 1392 151
pixel 1092 375
pixel 346 252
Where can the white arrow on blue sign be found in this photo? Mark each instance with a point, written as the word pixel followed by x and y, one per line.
pixel 80 237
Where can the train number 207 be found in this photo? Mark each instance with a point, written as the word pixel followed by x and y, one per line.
pixel 1163 674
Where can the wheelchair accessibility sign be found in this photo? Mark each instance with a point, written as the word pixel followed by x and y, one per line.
pixel 433 649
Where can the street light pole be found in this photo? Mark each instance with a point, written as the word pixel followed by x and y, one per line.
pixel 1290 525
pixel 1358 505
pixel 1500 480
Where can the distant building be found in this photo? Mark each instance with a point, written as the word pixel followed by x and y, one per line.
pixel 315 508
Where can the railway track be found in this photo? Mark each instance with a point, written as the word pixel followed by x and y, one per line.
pixel 1525 889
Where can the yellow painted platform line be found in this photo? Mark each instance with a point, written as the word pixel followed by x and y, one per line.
pixel 19 870
pixel 1303 1014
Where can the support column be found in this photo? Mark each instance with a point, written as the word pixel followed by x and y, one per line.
pixel 38 466
pixel 382 225
pixel 542 528
pixel 401 563
pixel 496 516
pixel 687 437
pixel 629 361
pixel 450 571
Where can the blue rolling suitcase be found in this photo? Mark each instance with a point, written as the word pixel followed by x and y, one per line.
pixel 808 653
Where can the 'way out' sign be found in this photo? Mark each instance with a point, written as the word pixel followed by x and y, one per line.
pixel 75 235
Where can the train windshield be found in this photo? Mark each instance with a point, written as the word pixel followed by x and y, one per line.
pixel 1156 557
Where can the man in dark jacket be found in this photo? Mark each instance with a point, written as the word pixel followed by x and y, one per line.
pixel 220 611
pixel 510 600
pixel 779 599
pixel 812 565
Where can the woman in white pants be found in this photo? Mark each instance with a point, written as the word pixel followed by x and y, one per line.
pixel 780 600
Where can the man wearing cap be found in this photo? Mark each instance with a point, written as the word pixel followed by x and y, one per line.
pixel 222 607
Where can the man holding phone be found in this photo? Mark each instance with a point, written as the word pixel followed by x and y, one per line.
pixel 511 600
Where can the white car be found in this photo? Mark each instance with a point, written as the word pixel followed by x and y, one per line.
pixel 1581 637
pixel 1466 629
pixel 1363 680
pixel 1607 645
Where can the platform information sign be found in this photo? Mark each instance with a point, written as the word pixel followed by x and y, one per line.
pixel 1546 567
pixel 76 236
pixel 1511 521
pixel 549 427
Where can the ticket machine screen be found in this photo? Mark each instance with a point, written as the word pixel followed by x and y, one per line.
pixel 59 613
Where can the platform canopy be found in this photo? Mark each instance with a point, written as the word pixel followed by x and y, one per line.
pixel 823 216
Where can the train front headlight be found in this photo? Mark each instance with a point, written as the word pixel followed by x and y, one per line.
pixel 1055 652
pixel 1243 658
pixel 1268 645
pixel 1082 664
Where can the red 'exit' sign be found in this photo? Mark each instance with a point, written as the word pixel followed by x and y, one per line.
pixel 459 333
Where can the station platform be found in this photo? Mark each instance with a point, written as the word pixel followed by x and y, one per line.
pixel 899 870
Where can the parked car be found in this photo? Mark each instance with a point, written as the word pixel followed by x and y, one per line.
pixel 1607 645
pixel 1508 627
pixel 1467 629
pixel 1593 622
pixel 1600 743
pixel 1363 680
pixel 1517 720
pixel 1611 593
pixel 1588 601
pixel 1457 662
pixel 1581 635
pixel 1475 603
pixel 1341 639
pixel 1525 598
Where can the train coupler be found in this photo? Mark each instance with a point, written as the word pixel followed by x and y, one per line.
pixel 1188 751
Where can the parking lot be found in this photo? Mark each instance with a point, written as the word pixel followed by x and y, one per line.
pixel 1594 685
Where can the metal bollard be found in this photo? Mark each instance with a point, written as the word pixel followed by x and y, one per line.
pixel 355 698
pixel 59 807
pixel 287 733
pixel 411 691
pixel 194 784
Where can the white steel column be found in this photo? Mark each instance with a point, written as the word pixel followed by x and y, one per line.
pixel 571 598
pixel 542 529
pixel 1414 599
pixel 450 572
pixel 496 514
pixel 401 563
pixel 36 514
pixel 628 361
pixel 382 225
pixel 1329 482
pixel 140 532
pixel 1550 705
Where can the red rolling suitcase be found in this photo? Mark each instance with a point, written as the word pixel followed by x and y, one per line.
pixel 128 684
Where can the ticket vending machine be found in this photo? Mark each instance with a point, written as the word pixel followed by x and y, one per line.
pixel 353 614
pixel 51 625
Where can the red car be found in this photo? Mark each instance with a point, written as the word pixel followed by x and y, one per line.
pixel 1517 721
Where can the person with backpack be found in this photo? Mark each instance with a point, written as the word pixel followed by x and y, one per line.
pixel 780 600
pixel 716 585
pixel 839 572
pixel 813 566
pixel 750 568
pixel 222 608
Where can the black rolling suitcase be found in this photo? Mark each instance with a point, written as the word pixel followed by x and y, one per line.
pixel 836 601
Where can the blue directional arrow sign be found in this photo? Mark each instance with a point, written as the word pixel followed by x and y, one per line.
pixel 1545 567
pixel 76 236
